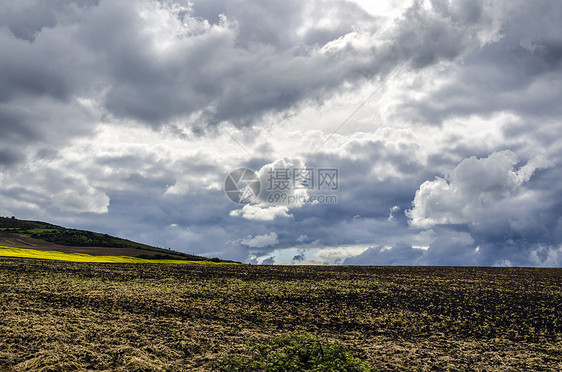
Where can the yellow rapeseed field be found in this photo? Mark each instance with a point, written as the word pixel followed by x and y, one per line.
pixel 78 257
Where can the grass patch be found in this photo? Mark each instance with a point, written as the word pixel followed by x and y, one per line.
pixel 37 231
pixel 79 257
pixel 295 352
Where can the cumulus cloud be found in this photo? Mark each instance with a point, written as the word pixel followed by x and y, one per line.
pixel 401 254
pixel 473 189
pixel 259 213
pixel 281 190
pixel 333 256
pixel 260 241
pixel 504 209
pixel 546 256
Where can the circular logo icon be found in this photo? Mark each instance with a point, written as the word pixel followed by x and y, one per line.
pixel 242 185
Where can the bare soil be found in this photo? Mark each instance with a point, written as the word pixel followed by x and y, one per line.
pixel 154 317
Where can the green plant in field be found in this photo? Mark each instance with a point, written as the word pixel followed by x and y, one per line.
pixel 295 352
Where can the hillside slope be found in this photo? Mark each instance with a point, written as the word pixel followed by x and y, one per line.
pixel 48 237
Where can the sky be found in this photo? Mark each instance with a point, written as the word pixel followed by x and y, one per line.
pixel 430 132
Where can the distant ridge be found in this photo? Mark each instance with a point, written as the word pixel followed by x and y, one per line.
pixel 27 234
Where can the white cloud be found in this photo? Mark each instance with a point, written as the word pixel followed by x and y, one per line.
pixel 89 201
pixel 472 189
pixel 302 238
pixel 546 256
pixel 259 213
pixel 333 255
pixel 391 211
pixel 279 192
pixel 401 254
pixel 260 241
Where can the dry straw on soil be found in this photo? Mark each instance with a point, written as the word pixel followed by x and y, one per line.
pixel 87 316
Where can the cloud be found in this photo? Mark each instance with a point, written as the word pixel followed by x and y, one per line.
pixel 258 213
pixel 393 210
pixel 401 254
pixel 135 61
pixel 90 201
pixel 268 261
pixel 302 238
pixel 458 248
pixel 298 257
pixel 109 113
pixel 491 211
pixel 281 190
pixel 546 256
pixel 473 188
pixel 260 241
pixel 516 69
pixel 333 256
pixel 48 188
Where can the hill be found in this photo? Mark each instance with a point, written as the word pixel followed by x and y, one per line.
pixel 48 237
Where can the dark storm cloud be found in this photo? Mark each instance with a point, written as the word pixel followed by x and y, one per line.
pixel 280 24
pixel 42 70
pixel 298 258
pixel 112 54
pixel 524 230
pixel 268 261
pixel 8 156
pixel 67 67
pixel 26 18
pixel 279 80
pixel 519 72
pixel 14 129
